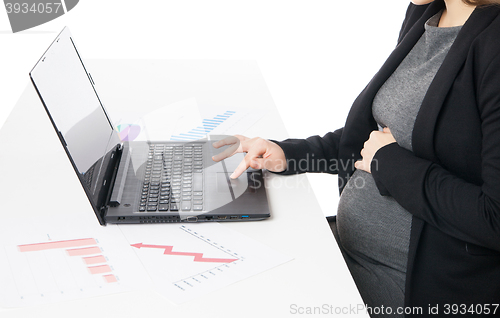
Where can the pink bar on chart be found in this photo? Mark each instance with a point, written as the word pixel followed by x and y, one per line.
pixel 99 269
pixel 110 278
pixel 91 260
pixel 56 244
pixel 84 251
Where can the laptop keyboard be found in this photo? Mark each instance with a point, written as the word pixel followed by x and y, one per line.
pixel 174 178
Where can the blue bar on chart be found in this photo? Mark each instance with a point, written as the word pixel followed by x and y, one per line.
pixel 207 126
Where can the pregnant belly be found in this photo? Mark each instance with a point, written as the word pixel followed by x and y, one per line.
pixel 373 226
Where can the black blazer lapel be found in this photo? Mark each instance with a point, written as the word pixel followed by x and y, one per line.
pixel 425 123
pixel 360 121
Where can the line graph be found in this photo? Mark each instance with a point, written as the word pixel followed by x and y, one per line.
pixel 185 260
pixel 198 257
pixel 191 260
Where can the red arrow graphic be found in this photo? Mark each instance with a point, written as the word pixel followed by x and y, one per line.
pixel 198 257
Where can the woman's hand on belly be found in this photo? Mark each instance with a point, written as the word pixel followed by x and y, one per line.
pixel 377 140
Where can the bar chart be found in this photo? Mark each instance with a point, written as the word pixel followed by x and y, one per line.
pixel 207 126
pixel 58 266
pixel 86 249
pixel 186 120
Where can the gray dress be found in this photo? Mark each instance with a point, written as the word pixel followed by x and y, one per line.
pixel 374 230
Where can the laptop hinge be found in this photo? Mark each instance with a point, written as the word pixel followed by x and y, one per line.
pixel 121 176
pixel 110 178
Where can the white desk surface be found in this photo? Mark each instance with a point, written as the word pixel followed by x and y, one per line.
pixel 36 172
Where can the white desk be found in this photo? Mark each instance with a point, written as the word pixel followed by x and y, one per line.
pixel 35 171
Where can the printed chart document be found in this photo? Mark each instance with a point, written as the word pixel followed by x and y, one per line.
pixel 44 262
pixel 47 261
pixel 191 260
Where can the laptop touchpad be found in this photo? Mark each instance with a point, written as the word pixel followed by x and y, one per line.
pixel 233 162
pixel 235 187
pixel 224 184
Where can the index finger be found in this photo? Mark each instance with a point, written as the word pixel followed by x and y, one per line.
pixel 227 152
pixel 245 163
pixel 226 141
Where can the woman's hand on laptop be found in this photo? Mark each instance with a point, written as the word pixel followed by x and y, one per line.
pixel 261 154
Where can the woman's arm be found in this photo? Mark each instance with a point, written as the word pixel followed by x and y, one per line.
pixel 314 154
pixel 291 156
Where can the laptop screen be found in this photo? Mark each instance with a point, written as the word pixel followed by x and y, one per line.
pixel 76 112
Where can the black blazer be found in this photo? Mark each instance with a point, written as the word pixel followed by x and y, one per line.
pixel 450 183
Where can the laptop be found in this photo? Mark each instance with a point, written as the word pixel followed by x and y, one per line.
pixel 138 181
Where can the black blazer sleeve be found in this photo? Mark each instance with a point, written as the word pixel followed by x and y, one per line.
pixel 314 154
pixel 461 209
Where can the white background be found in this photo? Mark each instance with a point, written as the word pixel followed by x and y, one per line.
pixel 315 55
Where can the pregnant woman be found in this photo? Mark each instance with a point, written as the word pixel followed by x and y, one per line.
pixel 418 162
